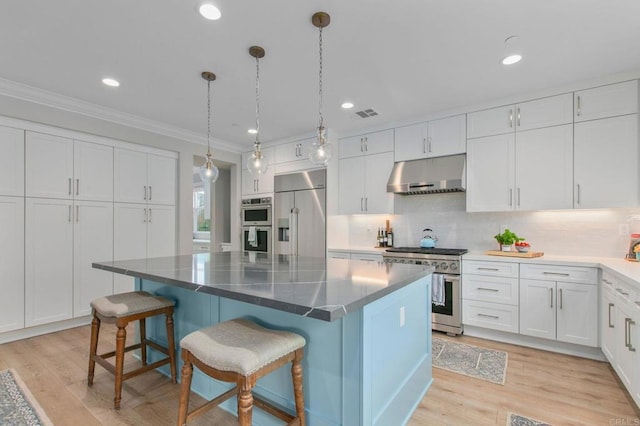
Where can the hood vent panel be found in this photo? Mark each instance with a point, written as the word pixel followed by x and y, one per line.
pixel 428 176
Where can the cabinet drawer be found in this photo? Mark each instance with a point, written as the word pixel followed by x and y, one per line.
pixel 496 269
pixel 490 289
pixel 366 256
pixel 490 315
pixel 573 274
pixel 338 255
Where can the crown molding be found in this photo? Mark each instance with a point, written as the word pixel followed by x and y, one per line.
pixel 55 100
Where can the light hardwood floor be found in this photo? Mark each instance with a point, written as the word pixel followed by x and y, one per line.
pixel 558 389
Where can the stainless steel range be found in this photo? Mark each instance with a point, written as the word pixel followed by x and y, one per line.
pixel 447 311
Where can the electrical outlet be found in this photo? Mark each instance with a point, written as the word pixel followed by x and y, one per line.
pixel 623 229
pixel 368 228
pixel 503 227
pixel 402 316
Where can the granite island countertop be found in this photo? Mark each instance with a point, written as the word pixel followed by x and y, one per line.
pixel 325 289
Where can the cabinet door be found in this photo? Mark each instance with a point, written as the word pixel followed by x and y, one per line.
pixel 577 319
pixel 544 168
pixel 249 183
pixel 489 122
pixel 378 142
pixel 161 231
pixel 129 239
pixel 130 176
pixel 12 263
pixel 490 173
pixel 49 160
pixel 545 112
pixel 606 163
pixel 607 101
pixel 93 171
pixel 291 151
pixel 92 242
pixel 352 189
pixel 351 147
pixel 607 323
pixel 48 261
pixel 625 358
pixel 11 161
pixel 377 169
pixel 411 142
pixel 265 181
pixel 447 136
pixel 161 180
pixel 538 308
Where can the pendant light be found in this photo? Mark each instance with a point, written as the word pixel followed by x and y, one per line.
pixel 209 172
pixel 256 163
pixel 321 151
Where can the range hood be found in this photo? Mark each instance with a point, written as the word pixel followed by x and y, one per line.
pixel 428 175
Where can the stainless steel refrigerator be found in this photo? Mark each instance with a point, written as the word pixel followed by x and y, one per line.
pixel 299 209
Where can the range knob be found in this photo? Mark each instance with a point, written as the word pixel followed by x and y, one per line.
pixel 444 266
pixel 453 266
pixel 435 264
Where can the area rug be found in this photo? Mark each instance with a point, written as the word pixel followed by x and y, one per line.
pixel 18 407
pixel 519 420
pixel 473 361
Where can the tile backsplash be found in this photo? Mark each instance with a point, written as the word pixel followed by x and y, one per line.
pixel 561 232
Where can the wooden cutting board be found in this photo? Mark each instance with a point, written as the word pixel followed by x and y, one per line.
pixel 514 253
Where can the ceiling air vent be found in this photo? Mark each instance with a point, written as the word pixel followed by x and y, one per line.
pixel 366 113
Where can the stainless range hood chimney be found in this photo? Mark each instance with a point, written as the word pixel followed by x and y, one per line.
pixel 428 175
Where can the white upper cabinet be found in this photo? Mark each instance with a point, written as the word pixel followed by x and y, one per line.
pixel 435 138
pixel 365 184
pixel 292 151
pixel 606 163
pixel 67 169
pixel 49 161
pixel 144 178
pixel 11 161
pixel 607 101
pixel 544 112
pixel 367 144
pixel 263 184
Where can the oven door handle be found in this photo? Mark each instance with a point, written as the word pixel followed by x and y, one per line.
pixel 449 277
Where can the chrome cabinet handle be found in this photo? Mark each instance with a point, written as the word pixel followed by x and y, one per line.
pixel 606 281
pixel 488 289
pixel 510 197
pixel 518 197
pixel 562 274
pixel 518 116
pixel 69 214
pixel 78 186
pixel 622 292
pixel 144 217
pixel 366 204
pixel 511 118
pixel 361 204
pixel 150 193
pixel 366 147
pixel 578 195
pixel 551 297
pixel 560 299
pixel 145 192
pixel 630 322
pixel 430 140
pixel 487 269
pixel 361 144
pixel 579 106
pixel 424 145
pixel 150 215
pixel 488 316
pixel 70 187
pixel 257 185
pixel 77 214
pixel 611 305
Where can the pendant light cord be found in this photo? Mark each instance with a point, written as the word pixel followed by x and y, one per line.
pixel 208 117
pixel 320 123
pixel 257 143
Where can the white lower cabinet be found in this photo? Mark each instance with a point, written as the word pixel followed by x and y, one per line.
pixel 490 295
pixel 559 303
pixel 142 231
pixel 12 263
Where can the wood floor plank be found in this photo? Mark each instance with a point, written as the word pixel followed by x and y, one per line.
pixel 555 388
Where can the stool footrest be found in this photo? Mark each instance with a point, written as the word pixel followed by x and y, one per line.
pixel 127 349
pixel 273 410
pixel 213 403
pixel 145 368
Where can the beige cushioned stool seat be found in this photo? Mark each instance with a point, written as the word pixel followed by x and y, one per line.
pixel 240 345
pixel 123 304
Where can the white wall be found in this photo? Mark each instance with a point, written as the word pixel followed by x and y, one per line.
pixel 561 232
pixel 39 113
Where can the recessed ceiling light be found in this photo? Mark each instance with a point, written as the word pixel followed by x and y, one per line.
pixel 511 59
pixel 209 11
pixel 110 82
pixel 252 131
pixel 347 105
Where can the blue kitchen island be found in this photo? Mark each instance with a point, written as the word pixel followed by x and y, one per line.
pixel 367 326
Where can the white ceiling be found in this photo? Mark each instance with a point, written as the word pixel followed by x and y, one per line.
pixel 405 58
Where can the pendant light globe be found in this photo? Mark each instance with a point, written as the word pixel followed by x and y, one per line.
pixel 321 151
pixel 208 171
pixel 257 164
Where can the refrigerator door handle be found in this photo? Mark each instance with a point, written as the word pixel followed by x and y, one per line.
pixel 293 231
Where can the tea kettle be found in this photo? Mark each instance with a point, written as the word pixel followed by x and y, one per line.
pixel 428 240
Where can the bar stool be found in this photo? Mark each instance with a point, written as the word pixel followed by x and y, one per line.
pixel 121 309
pixel 240 351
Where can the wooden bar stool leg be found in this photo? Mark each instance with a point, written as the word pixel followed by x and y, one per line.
pixel 245 402
pixel 93 349
pixel 185 388
pixel 143 340
pixel 121 337
pixel 296 374
pixel 171 346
